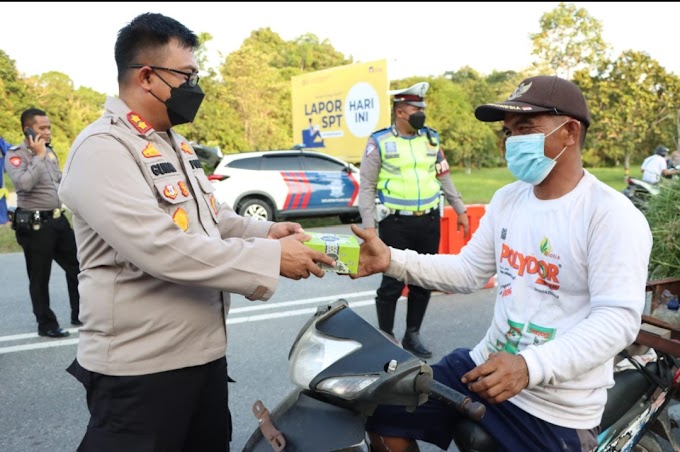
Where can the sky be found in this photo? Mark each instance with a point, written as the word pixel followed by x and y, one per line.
pixel 416 38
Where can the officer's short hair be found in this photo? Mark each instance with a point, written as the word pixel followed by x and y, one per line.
pixel 28 115
pixel 149 33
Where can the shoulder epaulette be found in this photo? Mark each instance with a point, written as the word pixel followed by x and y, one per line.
pixel 381 132
pixel 14 148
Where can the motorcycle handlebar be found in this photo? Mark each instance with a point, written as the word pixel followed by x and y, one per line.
pixel 425 384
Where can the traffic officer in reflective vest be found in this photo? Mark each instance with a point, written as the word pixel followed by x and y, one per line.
pixel 41 229
pixel 405 168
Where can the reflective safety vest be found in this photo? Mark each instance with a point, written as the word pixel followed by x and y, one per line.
pixel 407 178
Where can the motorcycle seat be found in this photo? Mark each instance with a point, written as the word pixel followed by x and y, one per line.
pixel 630 385
pixel 470 436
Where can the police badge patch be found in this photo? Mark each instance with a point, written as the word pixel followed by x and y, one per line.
pixel 370 148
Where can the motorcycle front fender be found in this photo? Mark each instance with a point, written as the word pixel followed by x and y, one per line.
pixel 311 425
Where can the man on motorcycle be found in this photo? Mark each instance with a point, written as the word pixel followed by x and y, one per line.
pixel 656 166
pixel 571 287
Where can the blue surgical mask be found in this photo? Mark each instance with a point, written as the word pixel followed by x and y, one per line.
pixel 526 158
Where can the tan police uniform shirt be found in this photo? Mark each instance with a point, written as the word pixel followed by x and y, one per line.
pixel 158 255
pixel 36 179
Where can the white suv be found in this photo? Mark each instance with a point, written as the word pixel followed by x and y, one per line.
pixel 275 185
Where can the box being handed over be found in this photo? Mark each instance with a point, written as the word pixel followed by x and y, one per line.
pixel 343 248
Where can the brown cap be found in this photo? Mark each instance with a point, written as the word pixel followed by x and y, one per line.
pixel 413 95
pixel 540 94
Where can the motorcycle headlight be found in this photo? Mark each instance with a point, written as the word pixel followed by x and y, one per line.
pixel 346 387
pixel 314 352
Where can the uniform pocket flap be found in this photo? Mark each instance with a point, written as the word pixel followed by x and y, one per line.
pixel 173 190
pixel 205 184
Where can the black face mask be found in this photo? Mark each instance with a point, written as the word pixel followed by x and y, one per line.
pixel 183 103
pixel 417 120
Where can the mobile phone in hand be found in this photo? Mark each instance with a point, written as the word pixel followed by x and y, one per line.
pixel 30 132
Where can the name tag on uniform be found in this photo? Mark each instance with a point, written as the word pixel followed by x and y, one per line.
pixel 391 150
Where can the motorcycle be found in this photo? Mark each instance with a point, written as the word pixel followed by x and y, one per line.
pixel 343 367
pixel 639 192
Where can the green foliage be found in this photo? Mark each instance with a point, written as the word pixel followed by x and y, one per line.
pixel 663 215
pixel 633 101
pixel 8 241
pixel 465 140
pixel 569 39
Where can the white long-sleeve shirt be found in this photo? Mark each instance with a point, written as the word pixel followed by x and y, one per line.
pixel 571 289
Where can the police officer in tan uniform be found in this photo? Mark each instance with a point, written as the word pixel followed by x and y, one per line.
pixel 39 223
pixel 405 167
pixel 159 257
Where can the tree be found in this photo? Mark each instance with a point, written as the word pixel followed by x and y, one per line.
pixel 259 95
pixel 257 85
pixel 12 95
pixel 633 102
pixel 308 54
pixel 569 40
pixel 466 141
pixel 69 110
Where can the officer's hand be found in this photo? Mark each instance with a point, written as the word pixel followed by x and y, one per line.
pixel 501 377
pixel 464 222
pixel 284 229
pixel 37 145
pixel 374 255
pixel 298 260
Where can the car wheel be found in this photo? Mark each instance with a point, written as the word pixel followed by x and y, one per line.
pixel 349 218
pixel 256 208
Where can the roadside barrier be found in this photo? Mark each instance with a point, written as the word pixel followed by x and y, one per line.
pixel 452 240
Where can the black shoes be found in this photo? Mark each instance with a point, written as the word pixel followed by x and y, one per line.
pixel 413 344
pixel 55 333
pixel 76 322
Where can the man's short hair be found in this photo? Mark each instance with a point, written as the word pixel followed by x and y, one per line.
pixel 28 115
pixel 540 94
pixel 148 34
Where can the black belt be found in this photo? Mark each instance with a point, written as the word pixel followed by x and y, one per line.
pixel 44 214
pixel 413 213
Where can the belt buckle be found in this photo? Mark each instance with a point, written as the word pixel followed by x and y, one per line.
pixel 56 213
pixel 418 213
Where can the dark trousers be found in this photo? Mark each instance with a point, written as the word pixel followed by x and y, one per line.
pixel 418 233
pixel 53 241
pixel 513 429
pixel 183 410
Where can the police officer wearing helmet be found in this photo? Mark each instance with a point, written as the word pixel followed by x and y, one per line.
pixel 41 228
pixel 405 168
